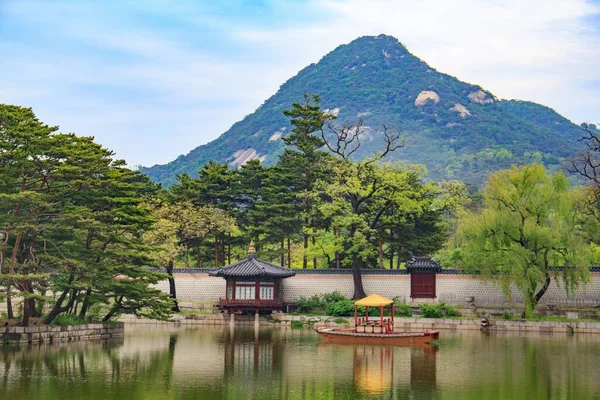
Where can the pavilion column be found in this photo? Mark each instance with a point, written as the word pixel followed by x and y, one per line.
pixel 256 319
pixel 231 318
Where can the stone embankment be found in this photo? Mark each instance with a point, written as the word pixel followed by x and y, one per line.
pixel 51 334
pixel 401 324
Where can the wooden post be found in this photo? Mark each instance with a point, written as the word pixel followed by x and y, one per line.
pixel 381 317
pixel 392 317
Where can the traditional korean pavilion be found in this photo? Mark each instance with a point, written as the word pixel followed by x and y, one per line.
pixel 253 285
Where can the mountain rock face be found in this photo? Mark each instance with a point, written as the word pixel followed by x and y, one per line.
pixel 457 130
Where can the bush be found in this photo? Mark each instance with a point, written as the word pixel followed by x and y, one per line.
pixel 342 321
pixel 333 297
pixel 343 308
pixel 450 311
pixel 402 310
pixel 506 315
pixel 297 324
pixel 439 310
pixel 431 310
pixel 311 303
pixel 319 302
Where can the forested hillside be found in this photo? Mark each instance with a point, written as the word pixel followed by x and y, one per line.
pixel 458 130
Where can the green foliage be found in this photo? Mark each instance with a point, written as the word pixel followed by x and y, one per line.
pixel 529 226
pixel 297 324
pixel 343 308
pixel 70 319
pixel 341 321
pixel 333 297
pixel 439 310
pixel 73 217
pixel 402 309
pixel 320 302
pixel 507 315
pixel 381 84
pixel 312 303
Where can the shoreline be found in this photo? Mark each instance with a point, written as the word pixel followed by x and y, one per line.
pixel 11 335
pixel 400 323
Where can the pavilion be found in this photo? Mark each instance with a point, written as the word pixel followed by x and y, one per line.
pixel 253 285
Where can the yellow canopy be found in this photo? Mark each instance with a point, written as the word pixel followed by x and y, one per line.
pixel 373 300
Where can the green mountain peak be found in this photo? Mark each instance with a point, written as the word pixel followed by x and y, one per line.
pixel 456 129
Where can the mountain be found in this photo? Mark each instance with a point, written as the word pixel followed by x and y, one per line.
pixel 458 130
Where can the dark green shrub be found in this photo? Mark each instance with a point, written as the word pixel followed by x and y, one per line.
pixel 333 297
pixel 450 311
pixel 343 308
pixel 297 324
pixel 402 310
pixel 312 303
pixel 431 310
pixel 439 310
pixel 319 302
pixel 506 315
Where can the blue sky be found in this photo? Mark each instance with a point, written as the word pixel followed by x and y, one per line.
pixel 153 79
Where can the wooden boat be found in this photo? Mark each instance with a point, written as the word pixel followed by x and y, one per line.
pixel 395 339
pixel 376 330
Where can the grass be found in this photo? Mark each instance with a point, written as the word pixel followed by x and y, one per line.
pixel 297 324
pixel 70 319
pixel 341 321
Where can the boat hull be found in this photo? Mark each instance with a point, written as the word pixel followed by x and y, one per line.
pixel 395 339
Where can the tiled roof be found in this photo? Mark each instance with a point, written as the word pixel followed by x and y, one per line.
pixel 427 264
pixel 252 266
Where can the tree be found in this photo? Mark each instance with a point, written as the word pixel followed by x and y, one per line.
pixel 357 199
pixel 215 187
pixel 303 163
pixel 528 228
pixel 587 163
pixel 176 226
pixel 359 194
pixel 71 221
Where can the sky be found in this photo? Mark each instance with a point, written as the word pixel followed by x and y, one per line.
pixel 154 79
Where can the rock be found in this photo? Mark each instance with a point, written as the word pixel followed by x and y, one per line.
pixel 480 97
pixel 425 96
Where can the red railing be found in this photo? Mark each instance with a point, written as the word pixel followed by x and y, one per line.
pixel 251 302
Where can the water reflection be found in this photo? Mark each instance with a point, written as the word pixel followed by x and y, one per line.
pixel 224 363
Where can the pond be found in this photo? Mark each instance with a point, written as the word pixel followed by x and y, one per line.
pixel 164 362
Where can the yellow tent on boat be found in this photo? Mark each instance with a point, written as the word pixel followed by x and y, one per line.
pixel 373 300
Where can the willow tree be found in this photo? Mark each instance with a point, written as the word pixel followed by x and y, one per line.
pixel 528 233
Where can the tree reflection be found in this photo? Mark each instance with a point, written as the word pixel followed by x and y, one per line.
pixel 221 363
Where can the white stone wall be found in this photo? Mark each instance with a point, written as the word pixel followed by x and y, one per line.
pixel 308 285
pixel 450 288
pixel 192 286
pixel 454 288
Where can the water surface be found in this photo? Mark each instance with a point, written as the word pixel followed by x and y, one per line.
pixel 158 362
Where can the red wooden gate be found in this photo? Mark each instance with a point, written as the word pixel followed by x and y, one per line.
pixel 422 285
